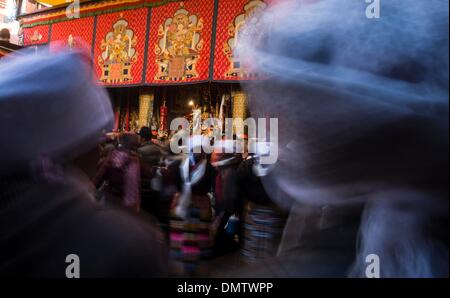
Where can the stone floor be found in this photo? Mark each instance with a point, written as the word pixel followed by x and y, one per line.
pixel 312 263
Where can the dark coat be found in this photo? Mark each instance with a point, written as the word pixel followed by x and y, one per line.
pixel 41 223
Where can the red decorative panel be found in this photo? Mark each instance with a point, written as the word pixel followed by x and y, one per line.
pixel 232 16
pixel 36 35
pixel 180 42
pixel 76 33
pixel 119 47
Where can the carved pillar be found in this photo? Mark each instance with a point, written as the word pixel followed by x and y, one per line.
pixel 240 103
pixel 146 98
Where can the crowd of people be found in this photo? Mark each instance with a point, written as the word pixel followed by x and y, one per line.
pixel 118 201
pixel 362 168
pixel 206 205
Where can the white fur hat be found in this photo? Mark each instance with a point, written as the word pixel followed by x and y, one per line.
pixel 337 77
pixel 49 106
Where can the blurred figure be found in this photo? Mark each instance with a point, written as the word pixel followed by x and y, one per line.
pixel 149 158
pixel 263 219
pixel 191 213
pixel 363 123
pixel 5 35
pixel 148 149
pixel 226 203
pixel 164 182
pixel 120 174
pixel 5 44
pixel 47 205
pixel 107 146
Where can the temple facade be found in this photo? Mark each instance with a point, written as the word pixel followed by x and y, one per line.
pixel 156 56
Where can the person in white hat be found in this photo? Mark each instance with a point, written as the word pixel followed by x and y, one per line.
pixel 52 116
pixel 363 110
pixel 191 209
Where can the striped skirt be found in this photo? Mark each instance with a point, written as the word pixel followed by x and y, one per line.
pixel 262 231
pixel 190 238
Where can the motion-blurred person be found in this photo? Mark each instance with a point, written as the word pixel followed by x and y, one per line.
pixel 47 205
pixel 362 105
pixel 119 175
pixel 226 203
pixel 164 182
pixel 107 146
pixel 149 158
pixel 263 219
pixel 191 213
pixel 5 35
pixel 148 149
pixel 5 45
